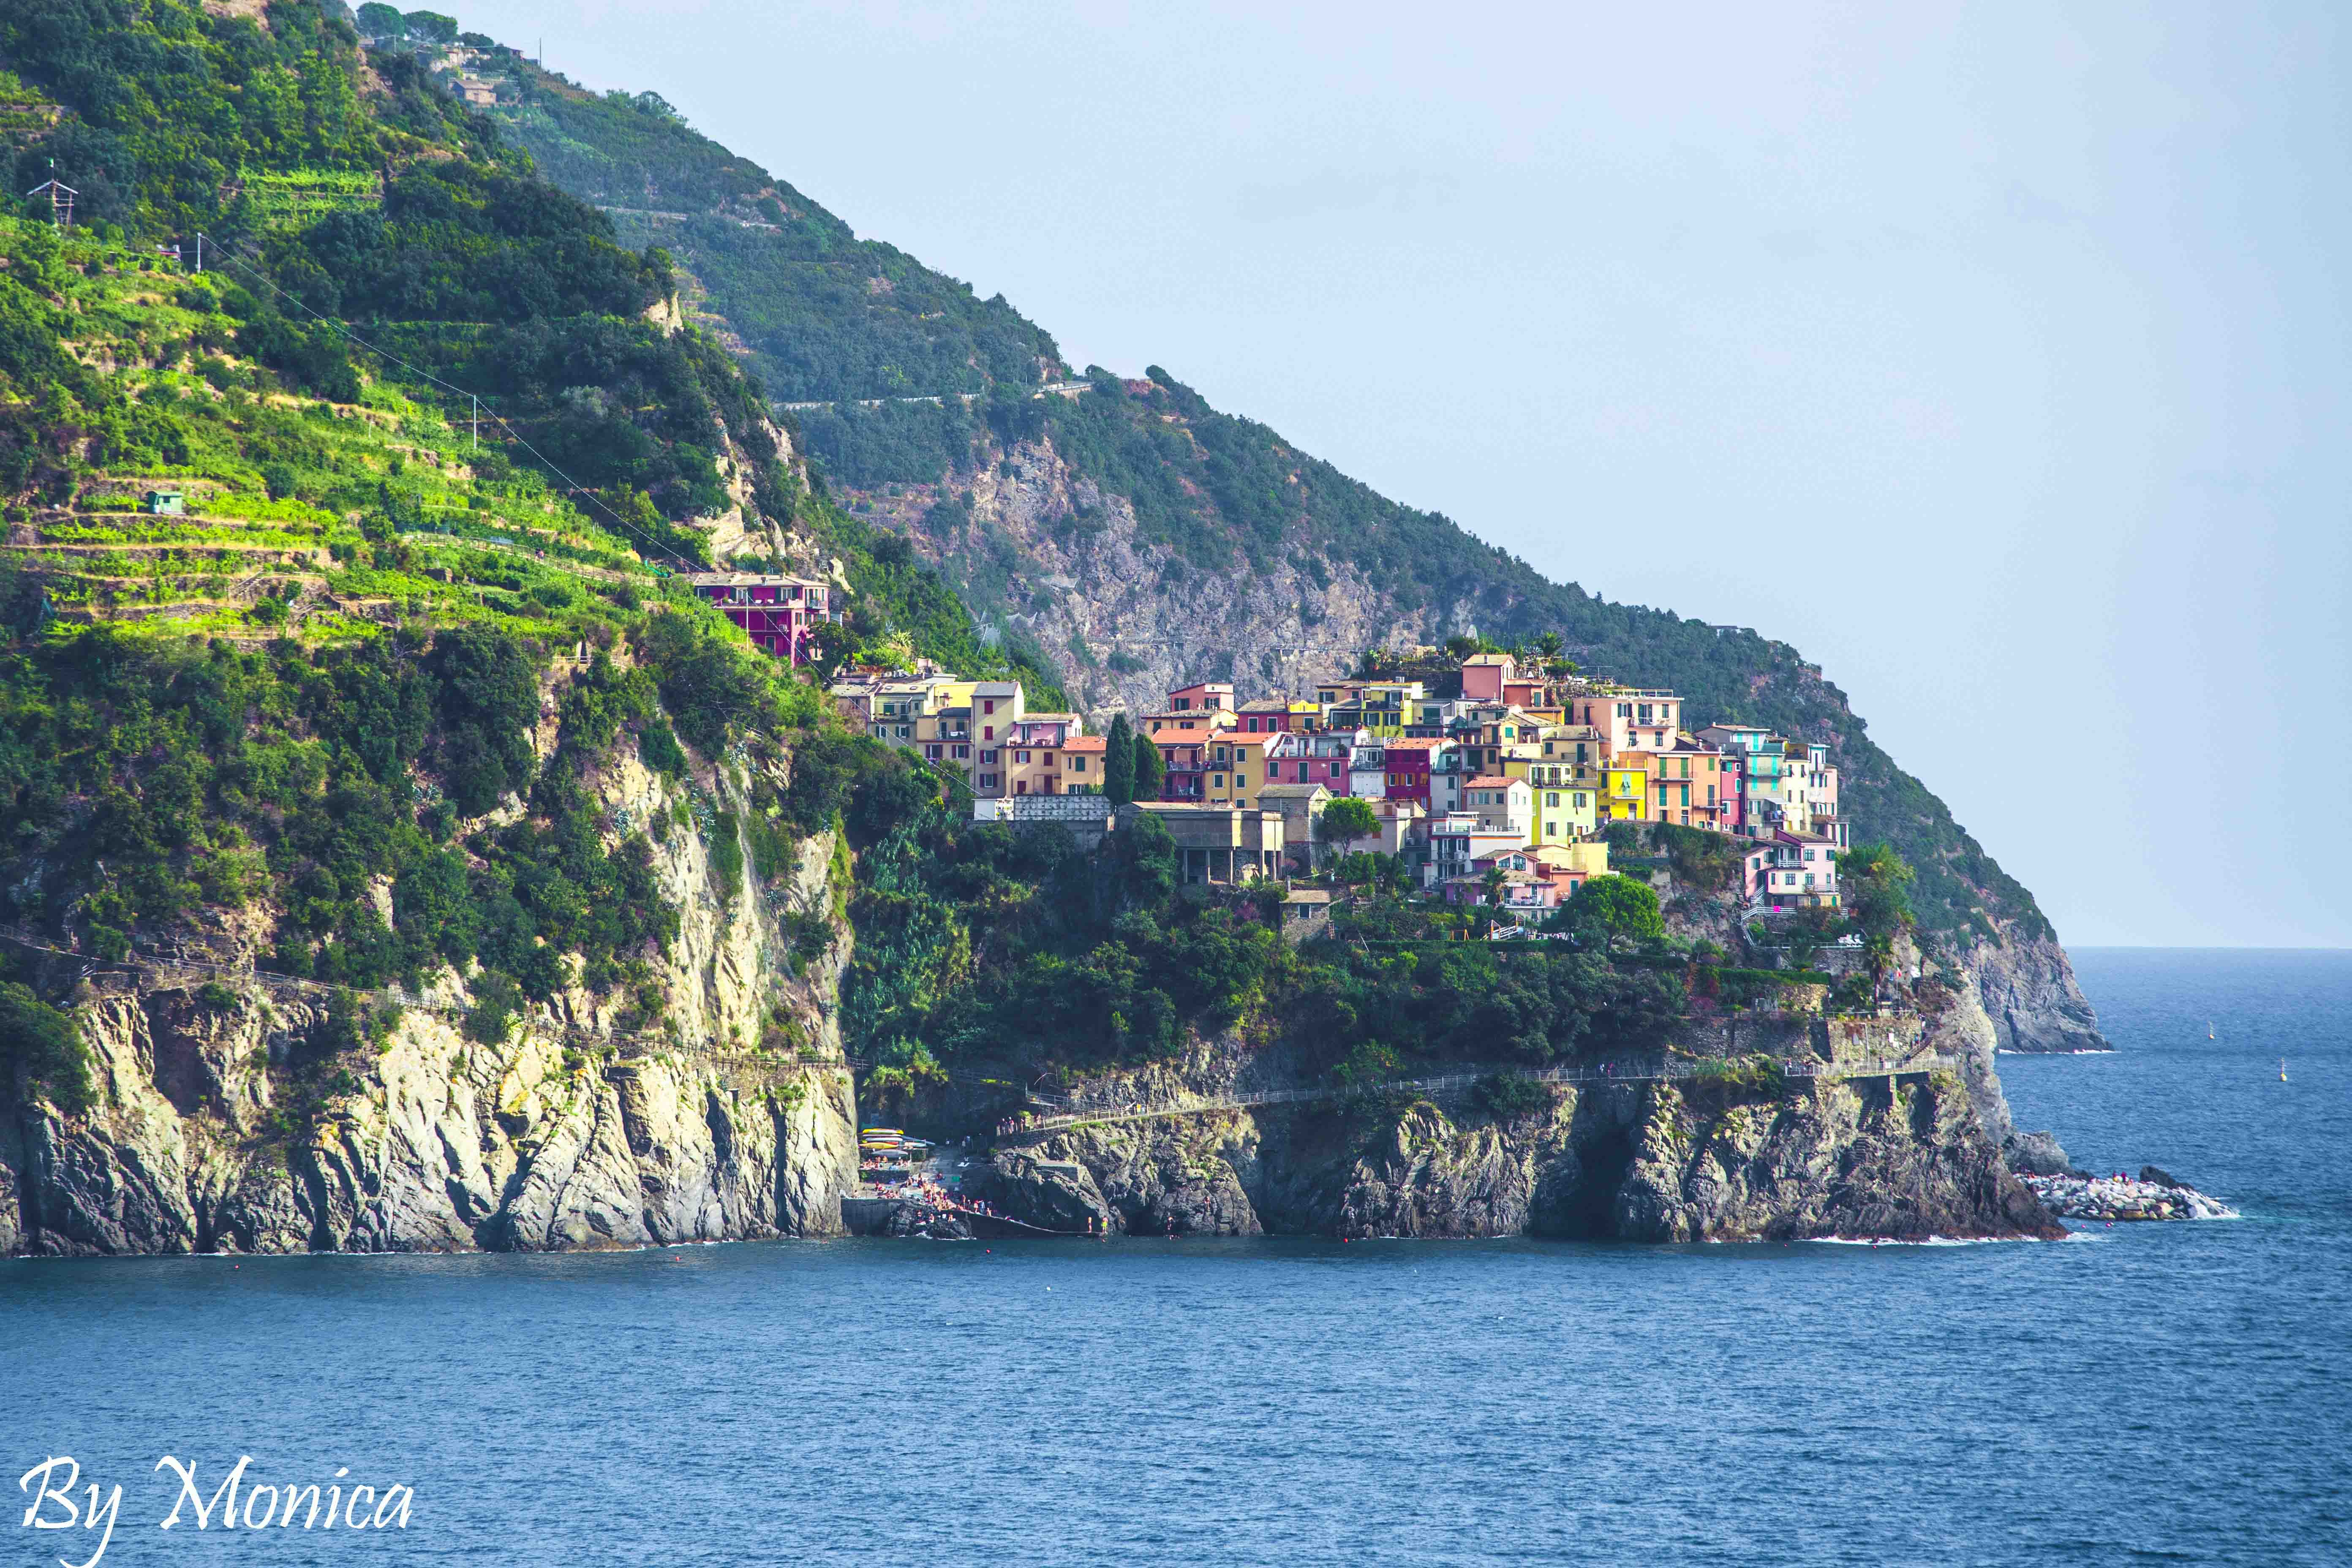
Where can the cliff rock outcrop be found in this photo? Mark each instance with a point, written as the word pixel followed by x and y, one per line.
pixel 1735 1158
pixel 218 1127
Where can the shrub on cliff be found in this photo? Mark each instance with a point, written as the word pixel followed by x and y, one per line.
pixel 1511 1093
pixel 43 1044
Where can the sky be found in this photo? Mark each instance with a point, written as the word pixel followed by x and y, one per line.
pixel 1994 356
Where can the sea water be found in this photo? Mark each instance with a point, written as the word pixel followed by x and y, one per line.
pixel 2159 1393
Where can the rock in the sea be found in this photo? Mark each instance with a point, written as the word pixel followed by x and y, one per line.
pixel 2035 1154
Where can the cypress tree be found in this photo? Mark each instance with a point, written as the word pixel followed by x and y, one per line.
pixel 1150 768
pixel 1119 763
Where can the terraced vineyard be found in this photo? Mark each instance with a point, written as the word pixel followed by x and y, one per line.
pixel 295 509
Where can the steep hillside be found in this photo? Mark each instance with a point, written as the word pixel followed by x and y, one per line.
pixel 1137 539
pixel 397 856
pixel 394 855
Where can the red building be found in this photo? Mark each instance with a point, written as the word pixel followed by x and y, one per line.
pixel 778 614
pixel 1408 768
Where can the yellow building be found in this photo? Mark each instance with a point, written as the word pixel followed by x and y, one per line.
pixel 1236 769
pixel 1625 787
pixel 1566 797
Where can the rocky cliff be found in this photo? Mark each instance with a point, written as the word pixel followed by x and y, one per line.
pixel 2027 988
pixel 220 1127
pixel 1741 1157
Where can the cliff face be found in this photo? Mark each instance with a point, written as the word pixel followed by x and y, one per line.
pixel 2028 988
pixel 215 1127
pixel 1051 556
pixel 1914 1156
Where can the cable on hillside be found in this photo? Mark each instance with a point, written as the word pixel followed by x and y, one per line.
pixel 424 374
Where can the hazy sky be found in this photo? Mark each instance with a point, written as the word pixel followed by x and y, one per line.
pixel 1995 357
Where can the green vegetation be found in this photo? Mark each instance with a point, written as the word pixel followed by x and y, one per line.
pixel 980 943
pixel 45 1047
pixel 1612 908
pixel 1118 761
pixel 1875 883
pixel 821 314
pixel 1348 817
pixel 1150 768
pixel 1512 1094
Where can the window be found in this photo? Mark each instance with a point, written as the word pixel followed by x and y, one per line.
pixel 1020 756
pixel 902 731
pixel 963 753
pixel 1078 764
pixel 988 759
pixel 988 705
pixel 930 754
pixel 988 781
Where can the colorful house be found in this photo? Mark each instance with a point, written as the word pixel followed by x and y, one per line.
pixel 1565 810
pixel 1688 785
pixel 1407 766
pixel 1302 757
pixel 780 614
pixel 1082 763
pixel 1803 873
pixel 1625 787
pixel 1187 724
pixel 1501 804
pixel 1278 715
pixel 1208 696
pixel 1238 769
pixel 1187 776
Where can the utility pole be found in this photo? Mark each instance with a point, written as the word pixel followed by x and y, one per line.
pixel 478 422
pixel 61 199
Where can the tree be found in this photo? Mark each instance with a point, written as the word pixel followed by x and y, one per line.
pixel 431 26
pixel 1494 884
pixel 1548 645
pixel 1876 883
pixel 1610 907
pixel 1150 768
pixel 378 20
pixel 1347 818
pixel 1119 763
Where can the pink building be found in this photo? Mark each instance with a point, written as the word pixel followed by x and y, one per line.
pixel 1298 757
pixel 1208 694
pixel 778 614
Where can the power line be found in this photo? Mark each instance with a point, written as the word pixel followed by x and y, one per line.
pixel 423 374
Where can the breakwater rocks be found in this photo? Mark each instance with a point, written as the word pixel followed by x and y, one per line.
pixel 2154 1195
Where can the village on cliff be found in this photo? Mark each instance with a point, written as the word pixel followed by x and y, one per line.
pixel 1491 777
